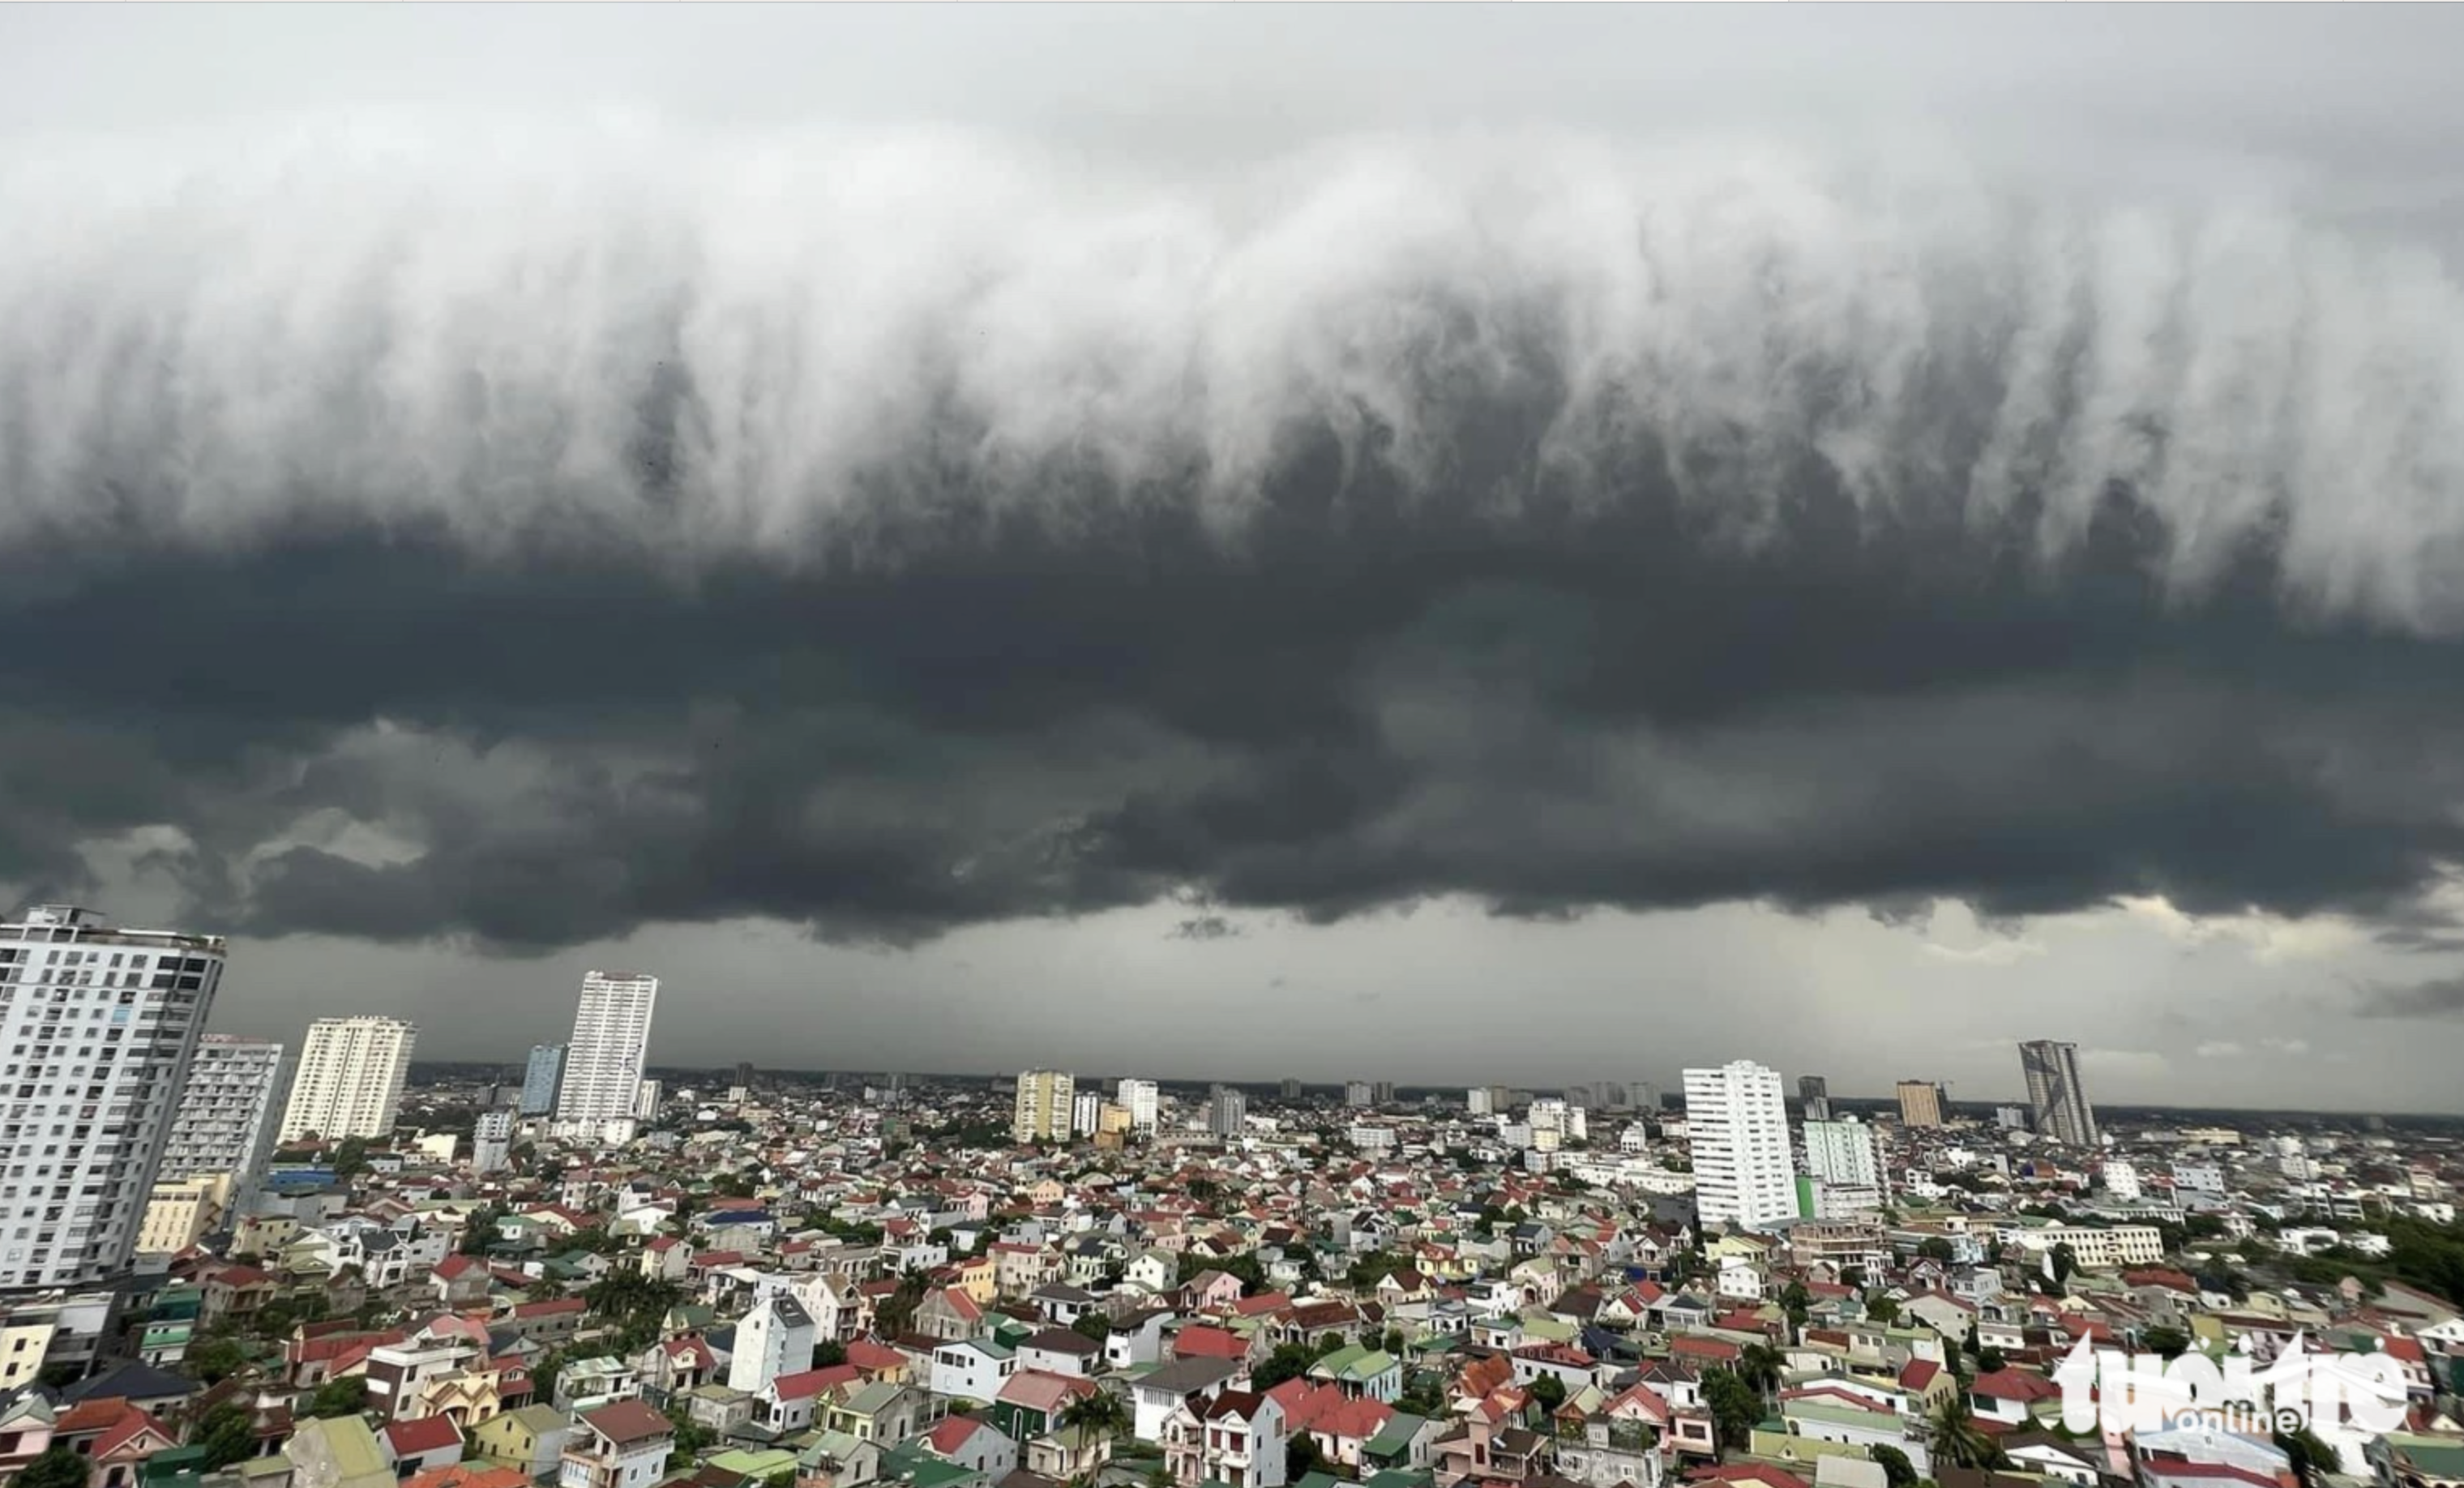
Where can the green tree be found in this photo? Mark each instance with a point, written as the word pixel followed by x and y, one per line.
pixel 1735 1409
pixel 479 1230
pixel 1288 1361
pixel 2065 1261
pixel 1758 1365
pixel 1092 1326
pixel 1797 1301
pixel 1896 1466
pixel 1990 1361
pixel 1933 1247
pixel 61 1467
pixel 2312 1458
pixel 1103 1412
pixel 1883 1310
pixel 214 1360
pixel 898 1310
pixel 1955 1438
pixel 351 1157
pixel 2171 1341
pixel 829 1354
pixel 338 1397
pixel 1301 1456
pixel 1549 1392
pixel 692 1439
pixel 228 1433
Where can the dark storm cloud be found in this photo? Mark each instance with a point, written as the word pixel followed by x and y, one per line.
pixel 2438 997
pixel 894 558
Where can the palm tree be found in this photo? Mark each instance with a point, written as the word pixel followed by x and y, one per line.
pixel 1955 1439
pixel 1101 1412
pixel 1759 1365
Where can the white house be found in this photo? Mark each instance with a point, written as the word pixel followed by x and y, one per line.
pixel 971 1370
pixel 775 1338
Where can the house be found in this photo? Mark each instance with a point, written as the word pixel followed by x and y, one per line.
pixel 1210 1291
pixel 1071 1453
pixel 1061 1351
pixel 116 1456
pixel 835 1460
pixel 461 1282
pixel 2014 1397
pixel 971 1369
pixel 1235 1438
pixel 551 1323
pixel 1341 1425
pixel 790 1403
pixel 880 1411
pixel 948 1315
pixel 415 1446
pixel 1063 1304
pixel 775 1338
pixel 1157 1394
pixel 341 1453
pixel 622 1445
pixel 529 1440
pixel 1136 1337
pixel 1200 1341
pixel 1030 1405
pixel 1360 1370
pixel 963 1441
pixel 2052 1457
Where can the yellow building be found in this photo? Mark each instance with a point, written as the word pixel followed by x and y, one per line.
pixel 183 1212
pixel 23 1343
pixel 1043 1107
pixel 1919 1103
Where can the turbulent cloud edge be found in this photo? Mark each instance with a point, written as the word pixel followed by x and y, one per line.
pixel 687 346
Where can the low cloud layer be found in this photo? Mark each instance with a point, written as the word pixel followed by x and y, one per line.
pixel 408 539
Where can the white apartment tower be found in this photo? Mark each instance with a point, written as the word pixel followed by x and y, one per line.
pixel 1138 1098
pixel 1737 1120
pixel 611 1035
pixel 227 1112
pixel 1043 1107
pixel 1841 1153
pixel 350 1079
pixel 2055 1098
pixel 98 1025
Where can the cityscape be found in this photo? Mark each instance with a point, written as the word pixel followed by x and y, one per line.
pixel 899 745
pixel 253 1269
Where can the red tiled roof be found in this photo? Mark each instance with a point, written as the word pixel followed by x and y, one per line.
pixel 554 1307
pixel 1200 1342
pixel 422 1434
pixel 627 1421
pixel 951 1434
pixel 806 1384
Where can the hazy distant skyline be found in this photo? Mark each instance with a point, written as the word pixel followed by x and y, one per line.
pixel 1416 544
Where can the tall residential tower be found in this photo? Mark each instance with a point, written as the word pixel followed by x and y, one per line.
pixel 612 1037
pixel 2054 1096
pixel 1737 1120
pixel 350 1079
pixel 228 1111
pixel 541 1076
pixel 98 1025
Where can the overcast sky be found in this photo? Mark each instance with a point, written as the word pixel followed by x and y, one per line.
pixel 1525 544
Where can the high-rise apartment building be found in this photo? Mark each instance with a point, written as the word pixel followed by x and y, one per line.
pixel 647 1096
pixel 1044 1101
pixel 1813 1093
pixel 350 1079
pixel 1227 1110
pixel 611 1036
pixel 1382 1092
pixel 1841 1153
pixel 542 1077
pixel 2055 1099
pixel 1359 1093
pixel 1919 1103
pixel 1139 1098
pixel 1737 1120
pixel 1476 1101
pixel 492 1142
pixel 1086 1109
pixel 228 1110
pixel 98 1025
pixel 1289 1089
